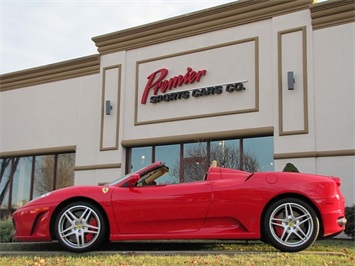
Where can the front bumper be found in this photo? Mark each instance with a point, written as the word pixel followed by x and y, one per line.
pixel 32 223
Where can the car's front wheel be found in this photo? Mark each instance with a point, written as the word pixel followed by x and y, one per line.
pixel 290 225
pixel 80 226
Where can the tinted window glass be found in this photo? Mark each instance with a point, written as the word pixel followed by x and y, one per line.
pixel 44 174
pixel 65 170
pixel 141 157
pixel 21 183
pixel 170 155
pixel 263 150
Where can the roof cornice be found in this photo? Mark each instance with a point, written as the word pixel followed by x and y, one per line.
pixel 332 13
pixel 220 17
pixel 54 72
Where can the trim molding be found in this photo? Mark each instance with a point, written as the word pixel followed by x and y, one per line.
pixel 332 13
pixel 118 108
pixel 59 71
pixel 204 21
pixel 97 167
pixel 253 132
pixel 44 151
pixel 315 154
pixel 255 108
pixel 282 132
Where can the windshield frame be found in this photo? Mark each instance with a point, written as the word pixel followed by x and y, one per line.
pixel 142 172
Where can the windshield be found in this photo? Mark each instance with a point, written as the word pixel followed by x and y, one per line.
pixel 146 179
pixel 143 173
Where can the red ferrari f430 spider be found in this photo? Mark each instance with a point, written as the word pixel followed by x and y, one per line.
pixel 287 210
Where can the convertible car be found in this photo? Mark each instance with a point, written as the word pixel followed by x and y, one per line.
pixel 286 210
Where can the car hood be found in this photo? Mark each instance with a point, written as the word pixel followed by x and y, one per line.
pixel 64 193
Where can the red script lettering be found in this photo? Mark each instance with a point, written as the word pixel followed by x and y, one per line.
pixel 156 81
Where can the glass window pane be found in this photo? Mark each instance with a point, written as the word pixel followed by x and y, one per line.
pixel 44 173
pixel 170 155
pixel 4 211
pixel 195 150
pixel 195 163
pixel 141 157
pixel 5 166
pixel 193 170
pixel 65 170
pixel 21 183
pixel 262 149
pixel 226 153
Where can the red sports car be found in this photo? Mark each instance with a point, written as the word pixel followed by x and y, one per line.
pixel 287 210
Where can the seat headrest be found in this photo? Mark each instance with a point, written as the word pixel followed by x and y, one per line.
pixel 214 163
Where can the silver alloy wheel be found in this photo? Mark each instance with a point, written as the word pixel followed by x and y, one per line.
pixel 291 224
pixel 79 227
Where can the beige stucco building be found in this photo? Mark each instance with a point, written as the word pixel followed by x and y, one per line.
pixel 276 76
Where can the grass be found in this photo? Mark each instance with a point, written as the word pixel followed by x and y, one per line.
pixel 326 252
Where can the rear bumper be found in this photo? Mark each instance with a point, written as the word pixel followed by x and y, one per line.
pixel 333 216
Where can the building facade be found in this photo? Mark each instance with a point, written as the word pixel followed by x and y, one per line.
pixel 254 84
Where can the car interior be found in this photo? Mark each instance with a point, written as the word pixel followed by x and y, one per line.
pixel 149 178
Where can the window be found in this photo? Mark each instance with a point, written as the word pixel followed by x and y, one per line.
pixel 140 158
pixel 65 170
pixel 43 176
pixel 25 178
pixel 227 153
pixel 189 162
pixel 21 181
pixel 170 154
pixel 194 162
pixel 262 149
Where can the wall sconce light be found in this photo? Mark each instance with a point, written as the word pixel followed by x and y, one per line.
pixel 290 80
pixel 108 107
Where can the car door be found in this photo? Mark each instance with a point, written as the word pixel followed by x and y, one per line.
pixel 169 208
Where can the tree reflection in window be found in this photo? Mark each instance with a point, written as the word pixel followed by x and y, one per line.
pixel 25 178
pixel 189 162
pixel 44 173
pixel 53 172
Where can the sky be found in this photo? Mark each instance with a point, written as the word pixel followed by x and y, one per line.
pixel 40 32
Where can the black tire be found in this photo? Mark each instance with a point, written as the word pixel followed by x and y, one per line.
pixel 80 226
pixel 290 225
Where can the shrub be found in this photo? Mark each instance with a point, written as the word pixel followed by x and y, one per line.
pixel 290 168
pixel 350 226
pixel 6 230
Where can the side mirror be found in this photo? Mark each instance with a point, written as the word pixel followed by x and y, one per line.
pixel 133 179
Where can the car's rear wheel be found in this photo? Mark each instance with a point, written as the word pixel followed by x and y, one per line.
pixel 80 226
pixel 290 225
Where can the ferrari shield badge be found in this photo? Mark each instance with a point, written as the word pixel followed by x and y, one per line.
pixel 104 190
